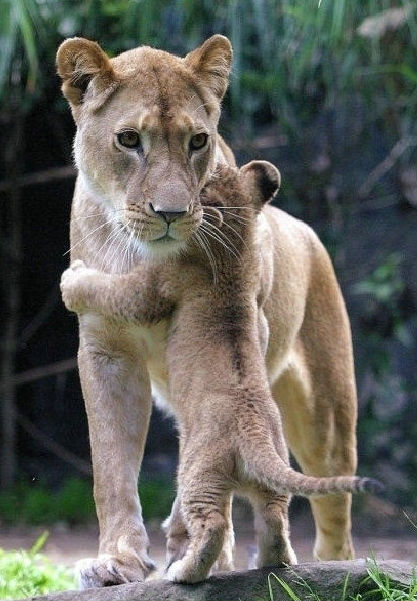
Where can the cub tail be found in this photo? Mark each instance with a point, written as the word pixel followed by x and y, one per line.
pixel 264 465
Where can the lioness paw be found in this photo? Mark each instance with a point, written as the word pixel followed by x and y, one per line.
pixel 106 570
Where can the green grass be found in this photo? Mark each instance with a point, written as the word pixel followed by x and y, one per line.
pixel 28 504
pixel 28 573
pixel 74 503
pixel 377 586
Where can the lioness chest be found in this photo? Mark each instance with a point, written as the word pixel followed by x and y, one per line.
pixel 281 298
pixel 284 261
pixel 152 341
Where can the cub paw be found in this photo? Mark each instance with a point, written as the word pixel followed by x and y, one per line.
pixel 107 570
pixel 71 285
pixel 179 571
pixel 177 542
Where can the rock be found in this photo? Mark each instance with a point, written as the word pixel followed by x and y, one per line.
pixel 327 579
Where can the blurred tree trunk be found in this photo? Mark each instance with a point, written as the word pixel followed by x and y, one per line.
pixel 11 251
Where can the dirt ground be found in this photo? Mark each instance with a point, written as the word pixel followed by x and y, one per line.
pixel 66 545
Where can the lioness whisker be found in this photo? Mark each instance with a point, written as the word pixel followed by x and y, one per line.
pixel 90 215
pixel 230 228
pixel 220 207
pixel 213 259
pixel 108 238
pixel 236 215
pixel 126 254
pixel 130 253
pixel 206 248
pixel 201 106
pixel 214 236
pixel 109 242
pixel 87 236
pixel 116 250
pixel 116 256
pixel 222 235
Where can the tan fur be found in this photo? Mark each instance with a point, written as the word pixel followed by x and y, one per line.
pixel 238 445
pixel 301 322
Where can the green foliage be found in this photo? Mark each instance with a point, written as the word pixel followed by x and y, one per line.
pixel 384 283
pixel 156 497
pixel 387 421
pixel 28 573
pixel 74 503
pixel 336 80
pixel 377 586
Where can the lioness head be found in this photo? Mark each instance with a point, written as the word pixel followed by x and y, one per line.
pixel 146 138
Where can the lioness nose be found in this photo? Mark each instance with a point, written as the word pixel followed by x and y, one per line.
pixel 169 216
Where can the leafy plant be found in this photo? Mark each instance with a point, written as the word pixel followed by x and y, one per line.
pixel 28 573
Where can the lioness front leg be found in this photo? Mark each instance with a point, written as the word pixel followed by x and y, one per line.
pixel 117 396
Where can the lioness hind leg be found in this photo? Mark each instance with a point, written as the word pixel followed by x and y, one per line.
pixel 272 529
pixel 319 425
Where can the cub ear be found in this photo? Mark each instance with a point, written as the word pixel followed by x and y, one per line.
pixel 262 180
pixel 78 62
pixel 211 63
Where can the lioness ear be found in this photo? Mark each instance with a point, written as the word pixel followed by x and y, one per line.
pixel 262 180
pixel 79 61
pixel 211 63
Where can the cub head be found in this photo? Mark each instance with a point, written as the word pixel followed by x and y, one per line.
pixel 146 138
pixel 261 181
pixel 231 201
pixel 234 191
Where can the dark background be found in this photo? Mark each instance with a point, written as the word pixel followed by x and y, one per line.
pixel 328 93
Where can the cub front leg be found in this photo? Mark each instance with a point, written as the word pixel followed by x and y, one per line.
pixel 117 396
pixel 78 284
pixel 134 298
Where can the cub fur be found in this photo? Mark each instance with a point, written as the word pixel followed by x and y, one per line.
pixel 238 443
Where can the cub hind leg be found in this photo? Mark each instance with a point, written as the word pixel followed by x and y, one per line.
pixel 272 529
pixel 176 534
pixel 318 411
pixel 205 515
pixel 178 538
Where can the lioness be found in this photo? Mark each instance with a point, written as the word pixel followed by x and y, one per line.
pixel 146 144
pixel 237 443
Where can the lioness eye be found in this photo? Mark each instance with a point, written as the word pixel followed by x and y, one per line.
pixel 129 138
pixel 198 141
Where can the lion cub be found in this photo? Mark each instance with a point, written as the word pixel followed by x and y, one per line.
pixel 231 437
